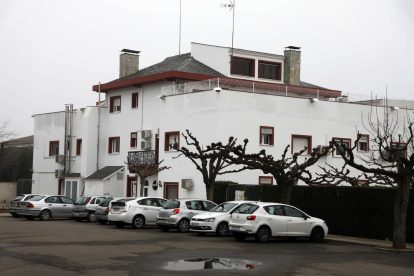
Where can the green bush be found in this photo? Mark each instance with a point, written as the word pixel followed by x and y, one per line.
pixel 24 186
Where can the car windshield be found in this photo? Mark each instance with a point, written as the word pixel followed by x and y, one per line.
pixel 246 209
pixel 171 204
pixel 224 207
pixel 18 198
pixel 37 198
pixel 105 203
pixel 82 200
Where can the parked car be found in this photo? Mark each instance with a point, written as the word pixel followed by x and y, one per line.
pixel 178 213
pixel 216 220
pixel 265 220
pixel 15 203
pixel 102 211
pixel 138 211
pixel 85 207
pixel 46 206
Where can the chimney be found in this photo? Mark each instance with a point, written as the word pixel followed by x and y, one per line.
pixel 128 62
pixel 292 65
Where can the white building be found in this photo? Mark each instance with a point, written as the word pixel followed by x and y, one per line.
pixel 144 111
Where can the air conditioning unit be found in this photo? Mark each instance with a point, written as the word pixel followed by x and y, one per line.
pixel 187 184
pixel 146 145
pixel 59 174
pixel 146 134
pixel 60 159
pixel 320 149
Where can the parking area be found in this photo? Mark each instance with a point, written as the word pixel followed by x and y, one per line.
pixel 67 247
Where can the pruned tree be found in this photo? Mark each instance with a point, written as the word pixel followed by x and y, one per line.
pixel 144 170
pixel 209 161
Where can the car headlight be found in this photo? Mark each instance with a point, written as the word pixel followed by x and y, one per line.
pixel 210 219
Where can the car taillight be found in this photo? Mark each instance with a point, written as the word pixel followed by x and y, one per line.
pixel 251 217
pixel 175 211
pixel 18 204
pixel 107 210
pixel 250 267
pixel 30 205
pixel 89 199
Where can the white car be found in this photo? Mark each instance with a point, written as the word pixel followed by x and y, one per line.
pixel 216 220
pixel 265 220
pixel 138 211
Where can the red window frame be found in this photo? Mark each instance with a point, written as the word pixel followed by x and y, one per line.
pixel 133 143
pixel 364 135
pixel 252 68
pixel 110 143
pixel 167 138
pixel 339 140
pixel 134 100
pixel 78 146
pixel 272 138
pixel 111 104
pixel 50 147
pixel 172 183
pixel 397 143
pixel 279 74
pixel 303 136
pixel 266 177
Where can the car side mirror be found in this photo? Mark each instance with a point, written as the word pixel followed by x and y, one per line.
pixel 305 217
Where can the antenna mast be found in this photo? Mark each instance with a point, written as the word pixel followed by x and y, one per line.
pixel 179 39
pixel 232 6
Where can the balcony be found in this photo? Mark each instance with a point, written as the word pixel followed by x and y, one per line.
pixel 144 158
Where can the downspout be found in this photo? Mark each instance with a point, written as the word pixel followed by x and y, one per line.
pixel 142 108
pixel 99 125
pixel 66 138
pixel 70 135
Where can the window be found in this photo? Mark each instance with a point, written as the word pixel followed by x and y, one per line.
pixel 133 139
pixel 113 145
pixel 53 148
pixel 93 201
pixel 246 209
pixel 242 66
pixel 161 202
pixel 265 180
pixel 79 147
pixel 134 100
pixel 115 104
pixel 274 210
pixel 55 199
pixel 270 70
pixel 266 135
pixel 346 143
pixel 299 142
pixel 363 143
pixel 208 205
pixel 194 205
pixel 399 150
pixel 172 141
pixel 292 212
pixel 66 200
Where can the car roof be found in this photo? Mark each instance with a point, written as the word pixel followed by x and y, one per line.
pixel 239 201
pixel 185 199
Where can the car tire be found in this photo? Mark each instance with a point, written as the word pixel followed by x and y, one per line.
pixel 183 226
pixel 119 224
pixel 263 234
pixel 201 233
pixel 91 217
pixel 30 218
pixel 222 229
pixel 317 234
pixel 45 215
pixel 138 222
pixel 101 221
pixel 239 237
pixel 15 216
pixel 165 228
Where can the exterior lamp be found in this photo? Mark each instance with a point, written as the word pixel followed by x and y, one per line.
pixel 312 100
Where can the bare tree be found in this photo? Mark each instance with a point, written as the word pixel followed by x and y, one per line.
pixel 210 161
pixel 5 137
pixel 144 170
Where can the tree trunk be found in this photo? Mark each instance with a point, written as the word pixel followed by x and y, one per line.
pixel 285 192
pixel 142 182
pixel 400 211
pixel 210 191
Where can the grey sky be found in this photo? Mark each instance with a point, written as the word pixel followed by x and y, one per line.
pixel 52 52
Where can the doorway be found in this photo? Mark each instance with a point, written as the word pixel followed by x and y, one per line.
pixel 131 186
pixel 170 190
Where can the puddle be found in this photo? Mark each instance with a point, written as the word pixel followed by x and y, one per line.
pixel 212 263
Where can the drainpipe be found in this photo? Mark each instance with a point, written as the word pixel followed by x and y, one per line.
pixel 70 135
pixel 99 125
pixel 66 138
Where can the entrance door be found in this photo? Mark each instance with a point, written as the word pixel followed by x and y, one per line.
pixel 131 187
pixel 170 190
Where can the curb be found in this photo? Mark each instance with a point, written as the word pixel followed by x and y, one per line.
pixel 389 249
pixel 354 242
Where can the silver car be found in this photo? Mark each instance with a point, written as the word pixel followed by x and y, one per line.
pixel 85 207
pixel 15 203
pixel 102 211
pixel 178 213
pixel 45 207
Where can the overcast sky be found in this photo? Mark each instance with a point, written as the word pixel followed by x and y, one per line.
pixel 52 52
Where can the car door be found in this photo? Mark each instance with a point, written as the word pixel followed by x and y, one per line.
pixel 277 220
pixel 54 204
pixel 67 206
pixel 194 207
pixel 150 210
pixel 297 224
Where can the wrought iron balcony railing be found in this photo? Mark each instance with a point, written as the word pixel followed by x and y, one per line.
pixel 143 158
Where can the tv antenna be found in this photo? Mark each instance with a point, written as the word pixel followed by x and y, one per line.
pixel 232 6
pixel 179 38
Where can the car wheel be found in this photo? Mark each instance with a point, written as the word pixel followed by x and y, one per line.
pixel 183 226
pixel 120 224
pixel 317 234
pixel 292 239
pixel 239 237
pixel 91 217
pixel 44 215
pixel 201 233
pixel 15 216
pixel 101 221
pixel 222 229
pixel 30 218
pixel 263 234
pixel 138 222
pixel 165 228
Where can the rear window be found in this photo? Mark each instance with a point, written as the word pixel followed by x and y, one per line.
pixel 224 207
pixel 18 198
pixel 82 200
pixel 37 198
pixel 246 209
pixel 30 197
pixel 105 203
pixel 172 204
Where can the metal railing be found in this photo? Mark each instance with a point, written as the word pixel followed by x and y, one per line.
pixel 143 158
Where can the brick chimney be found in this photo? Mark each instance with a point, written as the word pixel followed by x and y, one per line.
pixel 128 62
pixel 292 65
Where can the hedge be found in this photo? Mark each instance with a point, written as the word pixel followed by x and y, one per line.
pixel 24 186
pixel 365 212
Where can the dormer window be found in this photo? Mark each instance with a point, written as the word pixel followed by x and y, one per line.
pixel 242 66
pixel 270 70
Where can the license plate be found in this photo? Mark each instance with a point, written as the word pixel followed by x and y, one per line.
pixel 195 224
pixel 116 211
pixel 162 221
pixel 234 227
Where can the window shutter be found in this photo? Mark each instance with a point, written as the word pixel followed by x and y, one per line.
pixel 111 105
pixel 363 139
pixel 267 131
